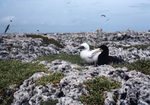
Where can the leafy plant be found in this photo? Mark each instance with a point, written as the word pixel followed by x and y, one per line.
pixel 96 90
pixel 115 97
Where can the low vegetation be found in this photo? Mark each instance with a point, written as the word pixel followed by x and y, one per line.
pixel 50 102
pixel 54 79
pixel 138 47
pixel 12 74
pixel 96 88
pixel 79 68
pixel 140 65
pixel 74 59
pixel 46 40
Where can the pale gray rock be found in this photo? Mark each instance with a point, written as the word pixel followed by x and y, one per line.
pixel 70 50
pixel 135 85
pixel 40 93
pixel 25 49
pixel 71 41
pixel 25 93
pixel 59 66
pixel 135 88
pixel 68 101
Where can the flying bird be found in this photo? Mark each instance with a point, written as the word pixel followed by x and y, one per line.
pixel 103 15
pixel 10 20
pixel 87 55
pixel 7 28
pixel 68 2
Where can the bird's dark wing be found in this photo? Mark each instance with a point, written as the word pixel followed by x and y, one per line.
pixel 114 59
pixel 7 28
pixel 103 15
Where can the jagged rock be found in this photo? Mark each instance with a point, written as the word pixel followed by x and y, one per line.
pixel 40 93
pixel 60 66
pixel 135 85
pixel 25 93
pixel 135 88
pixel 25 49
pixel 20 47
pixel 70 50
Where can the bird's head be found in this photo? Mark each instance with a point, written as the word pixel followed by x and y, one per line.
pixel 84 46
pixel 104 49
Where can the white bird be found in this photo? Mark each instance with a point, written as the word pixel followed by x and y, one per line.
pixel 88 56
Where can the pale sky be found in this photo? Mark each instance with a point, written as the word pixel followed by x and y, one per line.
pixel 50 16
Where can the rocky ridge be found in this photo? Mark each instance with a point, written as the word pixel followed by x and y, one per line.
pixel 135 88
pixel 135 85
pixel 121 44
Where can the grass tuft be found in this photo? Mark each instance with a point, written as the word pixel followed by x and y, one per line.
pixel 138 47
pixel 96 90
pixel 46 40
pixel 14 72
pixel 140 65
pixel 54 78
pixel 50 102
pixel 74 59
pixel 79 68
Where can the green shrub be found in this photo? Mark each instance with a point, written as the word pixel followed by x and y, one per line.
pixel 46 40
pixel 50 102
pixel 140 65
pixel 79 68
pixel 96 90
pixel 14 72
pixel 54 78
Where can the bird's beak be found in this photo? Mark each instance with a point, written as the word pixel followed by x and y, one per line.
pixel 97 51
pixel 101 50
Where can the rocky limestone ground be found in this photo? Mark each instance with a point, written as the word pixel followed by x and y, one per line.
pixel 128 45
pixel 135 85
pixel 121 44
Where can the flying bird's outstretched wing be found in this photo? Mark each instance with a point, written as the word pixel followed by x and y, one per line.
pixel 7 28
pixel 103 15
